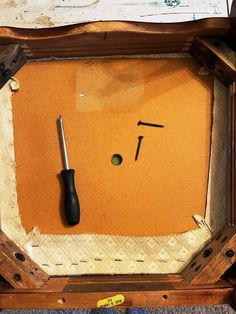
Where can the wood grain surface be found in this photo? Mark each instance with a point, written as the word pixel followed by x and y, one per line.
pixel 86 291
pixel 217 57
pixel 231 164
pixel 17 268
pixel 212 261
pixel 112 38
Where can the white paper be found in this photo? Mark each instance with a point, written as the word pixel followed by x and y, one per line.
pixel 51 13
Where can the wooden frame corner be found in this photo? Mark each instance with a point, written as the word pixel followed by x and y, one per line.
pixel 216 57
pixel 17 268
pixel 214 259
pixel 12 58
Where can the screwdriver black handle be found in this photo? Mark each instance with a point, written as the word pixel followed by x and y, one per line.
pixel 71 201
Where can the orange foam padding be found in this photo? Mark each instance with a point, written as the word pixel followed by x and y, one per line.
pixel 101 102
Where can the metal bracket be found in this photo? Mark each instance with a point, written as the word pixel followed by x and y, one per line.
pixel 12 59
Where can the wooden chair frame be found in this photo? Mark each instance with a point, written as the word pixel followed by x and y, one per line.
pixel 211 42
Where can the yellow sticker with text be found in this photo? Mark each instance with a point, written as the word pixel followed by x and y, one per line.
pixel 112 301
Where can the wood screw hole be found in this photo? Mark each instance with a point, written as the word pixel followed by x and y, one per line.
pixel 16 277
pixel 164 297
pixel 207 252
pixel 229 253
pixel 20 256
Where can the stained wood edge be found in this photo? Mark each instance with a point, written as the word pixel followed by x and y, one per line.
pixel 60 293
pixel 231 157
pixel 215 25
pixel 132 299
pixel 216 57
pixel 110 38
pixel 18 269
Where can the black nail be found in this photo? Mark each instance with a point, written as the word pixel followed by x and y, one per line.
pixel 140 138
pixel 151 124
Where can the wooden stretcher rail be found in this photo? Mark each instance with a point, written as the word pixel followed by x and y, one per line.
pixel 86 292
pixel 112 38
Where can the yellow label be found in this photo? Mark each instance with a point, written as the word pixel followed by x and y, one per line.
pixel 112 301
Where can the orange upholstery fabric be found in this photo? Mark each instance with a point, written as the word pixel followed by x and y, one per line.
pixel 101 102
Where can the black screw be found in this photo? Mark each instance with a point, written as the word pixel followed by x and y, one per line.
pixel 20 257
pixel 150 124
pixel 229 253
pixel 140 138
pixel 16 277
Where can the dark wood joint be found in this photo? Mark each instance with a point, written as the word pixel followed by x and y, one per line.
pixel 12 58
pixel 213 260
pixel 216 57
pixel 17 268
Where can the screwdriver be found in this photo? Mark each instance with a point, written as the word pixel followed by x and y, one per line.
pixel 71 201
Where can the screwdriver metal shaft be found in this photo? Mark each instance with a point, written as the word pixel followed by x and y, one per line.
pixel 63 143
pixel 71 201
